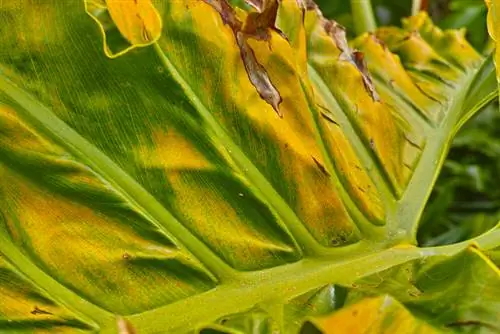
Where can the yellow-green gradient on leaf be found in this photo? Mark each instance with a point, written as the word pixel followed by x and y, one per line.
pixel 188 165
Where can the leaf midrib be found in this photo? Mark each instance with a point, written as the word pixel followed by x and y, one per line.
pixel 280 284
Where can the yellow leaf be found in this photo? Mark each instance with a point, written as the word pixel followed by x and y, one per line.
pixel 372 315
pixel 136 22
pixel 494 27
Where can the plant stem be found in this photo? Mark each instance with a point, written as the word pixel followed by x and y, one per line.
pixel 364 19
pixel 416 5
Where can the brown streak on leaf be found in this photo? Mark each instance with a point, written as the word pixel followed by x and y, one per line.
pixel 325 113
pixel 360 62
pixel 321 167
pixel 464 323
pixel 407 166
pixel 38 311
pixel 412 143
pixel 427 94
pixel 329 118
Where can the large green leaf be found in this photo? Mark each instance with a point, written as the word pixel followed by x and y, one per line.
pixel 177 165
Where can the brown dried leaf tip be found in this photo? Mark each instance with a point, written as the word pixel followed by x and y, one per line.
pixel 359 61
pixel 258 25
pixel 338 35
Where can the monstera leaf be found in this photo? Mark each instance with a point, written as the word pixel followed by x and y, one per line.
pixel 193 166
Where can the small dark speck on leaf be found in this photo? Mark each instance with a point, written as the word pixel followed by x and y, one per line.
pixel 126 256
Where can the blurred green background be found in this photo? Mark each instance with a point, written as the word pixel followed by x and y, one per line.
pixel 466 199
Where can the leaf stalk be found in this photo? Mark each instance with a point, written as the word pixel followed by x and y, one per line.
pixel 364 18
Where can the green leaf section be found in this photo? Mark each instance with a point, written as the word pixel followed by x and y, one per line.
pixel 453 292
pixel 19 294
pixel 232 163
